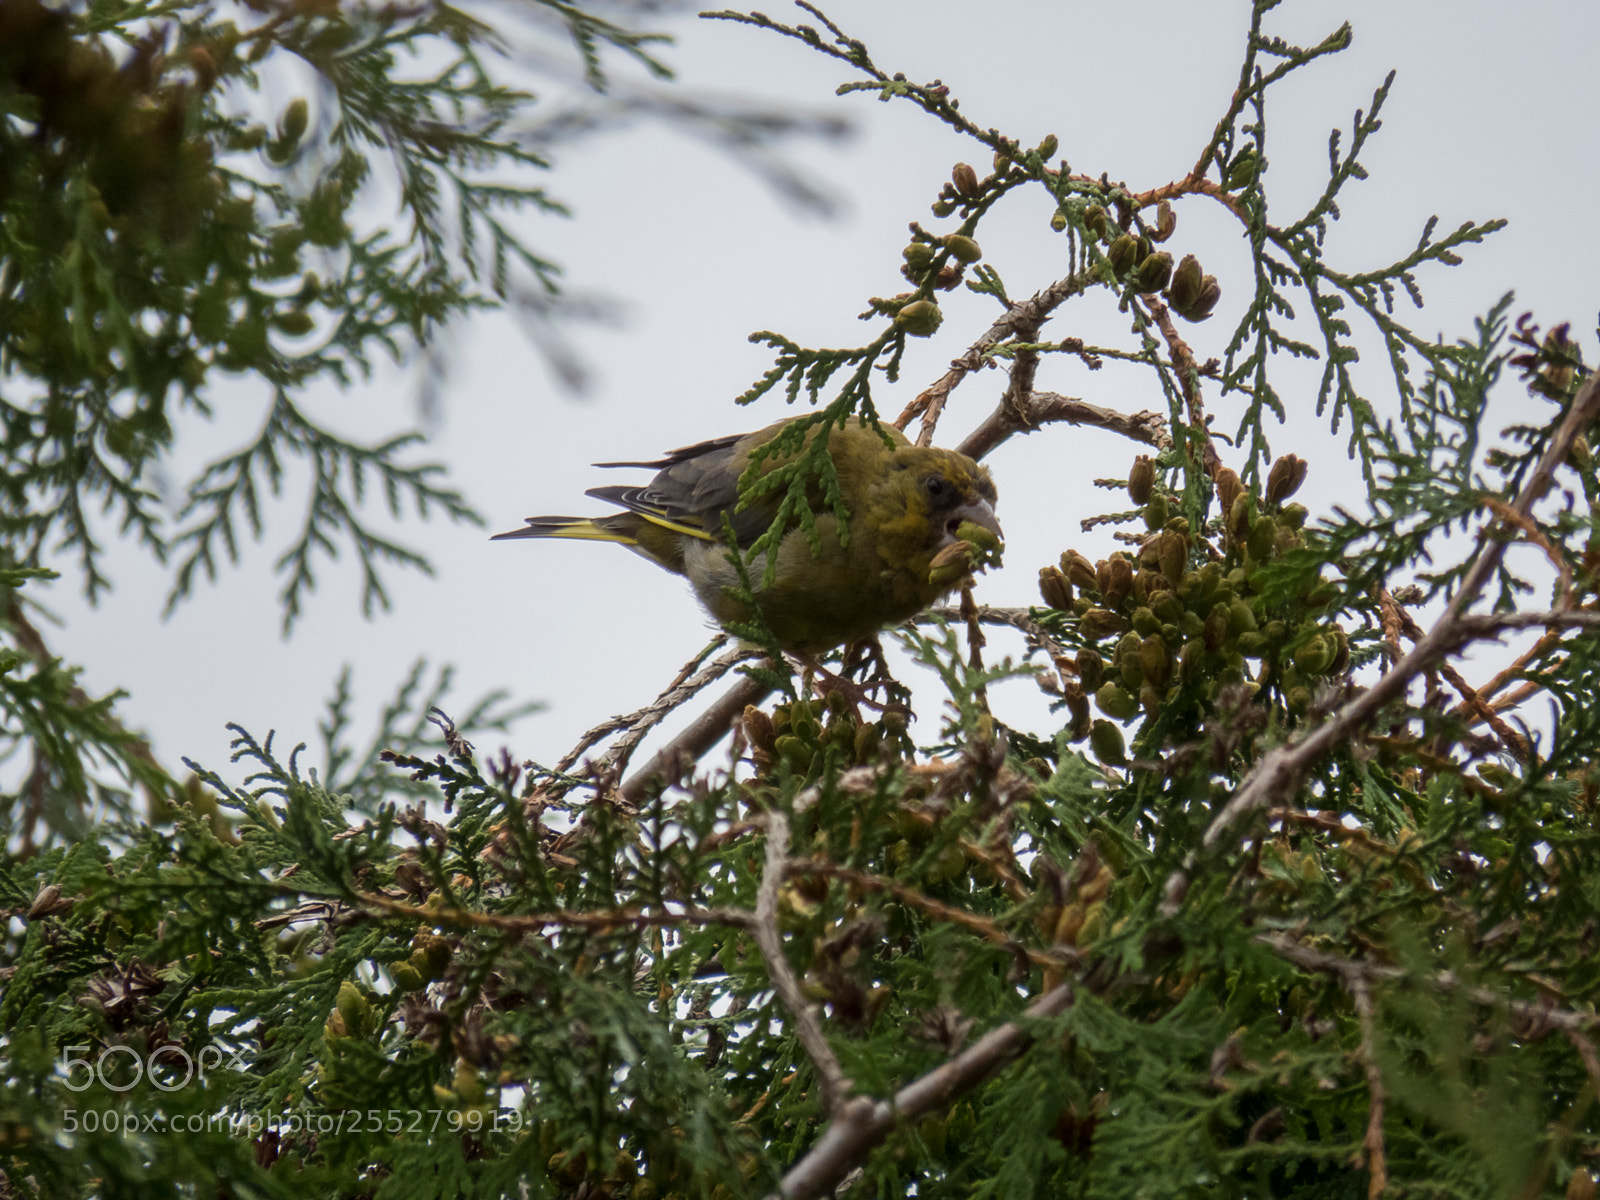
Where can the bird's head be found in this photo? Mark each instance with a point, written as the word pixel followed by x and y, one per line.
pixel 950 490
pixel 936 492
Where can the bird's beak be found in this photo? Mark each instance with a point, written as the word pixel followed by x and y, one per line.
pixel 979 512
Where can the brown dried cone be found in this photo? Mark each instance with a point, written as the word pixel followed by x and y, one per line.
pixel 965 179
pixel 1285 478
pixel 761 736
pixel 1141 479
pixel 1210 296
pixel 1166 222
pixel 1229 488
pixel 1078 705
pixel 1124 252
pixel 1079 570
pixel 1184 289
pixel 204 65
pixel 1557 376
pixel 1091 669
pixel 1154 272
pixel 1055 589
pixel 1118 580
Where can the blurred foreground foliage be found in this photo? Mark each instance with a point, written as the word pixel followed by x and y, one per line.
pixel 1283 903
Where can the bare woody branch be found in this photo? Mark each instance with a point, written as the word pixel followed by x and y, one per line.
pixel 864 1123
pixel 1372 1142
pixel 1021 320
pixel 1277 776
pixel 647 718
pixel 642 720
pixel 1538 1015
pixel 1188 372
pixel 601 920
pixel 830 1075
pixel 693 743
pixel 1044 408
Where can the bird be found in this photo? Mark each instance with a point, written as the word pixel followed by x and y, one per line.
pixel 919 518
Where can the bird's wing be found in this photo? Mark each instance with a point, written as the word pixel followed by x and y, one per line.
pixel 694 486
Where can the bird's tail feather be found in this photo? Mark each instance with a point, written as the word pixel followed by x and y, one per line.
pixel 583 528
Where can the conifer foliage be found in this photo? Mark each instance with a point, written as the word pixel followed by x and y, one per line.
pixel 1287 898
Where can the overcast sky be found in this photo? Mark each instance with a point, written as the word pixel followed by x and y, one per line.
pixel 1493 115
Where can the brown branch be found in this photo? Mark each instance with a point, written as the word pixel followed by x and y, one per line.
pixel 936 909
pixel 1192 184
pixel 1020 619
pixel 1531 531
pixel 599 920
pixel 616 757
pixel 831 1079
pixel 1373 1141
pixel 692 744
pixel 1188 372
pixel 1043 408
pixel 1591 1060
pixel 1538 1014
pixel 1393 619
pixel 1484 625
pixel 625 721
pixel 1535 651
pixel 1021 319
pixel 864 1123
pixel 1278 774
pixel 1397 620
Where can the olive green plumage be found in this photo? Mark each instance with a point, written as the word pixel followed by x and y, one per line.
pixel 905 505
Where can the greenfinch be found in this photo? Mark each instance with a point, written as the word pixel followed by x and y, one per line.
pixel 919 518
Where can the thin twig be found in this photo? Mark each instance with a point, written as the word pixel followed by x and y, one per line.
pixel 1538 1014
pixel 1278 774
pixel 1532 654
pixel 605 728
pixel 830 1075
pixel 1378 1174
pixel 1188 372
pixel 1591 1060
pixel 937 909
pixel 692 744
pixel 1017 618
pixel 864 1123
pixel 1399 620
pixel 647 718
pixel 1023 318
pixel 1043 408
pixel 601 920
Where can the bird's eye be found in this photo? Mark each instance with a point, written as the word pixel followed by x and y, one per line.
pixel 935 486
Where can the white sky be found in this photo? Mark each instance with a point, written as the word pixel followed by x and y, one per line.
pixel 1493 114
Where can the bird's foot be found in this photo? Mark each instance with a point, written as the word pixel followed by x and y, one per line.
pixel 825 684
